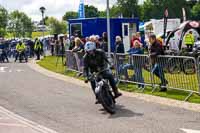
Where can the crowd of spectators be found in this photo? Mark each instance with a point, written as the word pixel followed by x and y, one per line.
pixel 137 47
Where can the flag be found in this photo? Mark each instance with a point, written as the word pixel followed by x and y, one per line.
pixel 184 14
pixel 81 10
pixel 166 14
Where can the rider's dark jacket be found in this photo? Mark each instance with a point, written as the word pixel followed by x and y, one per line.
pixel 96 62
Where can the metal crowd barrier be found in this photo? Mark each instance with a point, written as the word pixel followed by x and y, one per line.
pixel 74 61
pixel 173 72
pixel 180 73
pixel 134 69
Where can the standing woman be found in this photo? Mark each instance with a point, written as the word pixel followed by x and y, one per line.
pixel 79 45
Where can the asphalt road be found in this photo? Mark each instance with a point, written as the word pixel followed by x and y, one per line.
pixel 68 108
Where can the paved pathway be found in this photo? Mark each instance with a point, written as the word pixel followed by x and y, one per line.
pixel 69 108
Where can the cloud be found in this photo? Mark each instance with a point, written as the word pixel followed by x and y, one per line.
pixel 56 8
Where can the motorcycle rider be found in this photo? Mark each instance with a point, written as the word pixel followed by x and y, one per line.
pixel 21 48
pixel 95 60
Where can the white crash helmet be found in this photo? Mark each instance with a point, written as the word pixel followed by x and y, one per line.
pixel 90 46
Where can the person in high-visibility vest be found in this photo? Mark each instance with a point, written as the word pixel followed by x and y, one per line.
pixel 20 48
pixel 37 48
pixel 189 41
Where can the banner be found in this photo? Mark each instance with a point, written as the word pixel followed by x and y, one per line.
pixel 81 10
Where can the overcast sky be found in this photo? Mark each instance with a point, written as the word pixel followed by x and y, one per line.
pixel 55 8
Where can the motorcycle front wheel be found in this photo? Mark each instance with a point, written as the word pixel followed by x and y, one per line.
pixel 107 99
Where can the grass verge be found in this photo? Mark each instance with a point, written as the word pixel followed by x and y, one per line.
pixel 50 64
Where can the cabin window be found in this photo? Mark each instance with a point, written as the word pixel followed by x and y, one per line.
pixel 76 29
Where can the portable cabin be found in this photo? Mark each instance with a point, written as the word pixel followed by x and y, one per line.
pixel 123 27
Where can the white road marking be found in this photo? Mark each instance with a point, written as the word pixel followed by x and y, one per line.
pixel 19 70
pixel 190 130
pixel 26 122
pixel 12 125
pixel 2 69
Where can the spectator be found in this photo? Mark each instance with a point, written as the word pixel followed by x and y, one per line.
pixel 93 38
pixel 197 43
pixel 45 46
pixel 189 41
pixel 136 65
pixel 98 44
pixel 66 43
pixel 31 46
pixel 119 50
pixel 62 45
pixel 105 37
pixel 57 47
pixel 105 42
pixel 87 39
pixel 72 43
pixel 155 50
pixel 37 48
pixel 173 45
pixel 134 38
pixel 138 35
pixel 119 46
pixel 52 43
pixel 160 41
pixel 4 55
pixel 79 53
pixel 79 45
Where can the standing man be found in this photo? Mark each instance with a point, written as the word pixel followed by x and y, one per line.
pixel 37 48
pixel 189 41
pixel 21 49
pixel 155 50
pixel 119 46
pixel 105 41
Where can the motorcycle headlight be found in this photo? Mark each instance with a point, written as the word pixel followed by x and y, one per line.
pixel 97 89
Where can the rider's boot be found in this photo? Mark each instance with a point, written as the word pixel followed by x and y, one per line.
pixel 117 93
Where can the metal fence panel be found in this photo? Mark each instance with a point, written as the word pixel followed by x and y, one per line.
pixel 198 71
pixel 71 61
pixel 79 60
pixel 175 72
pixel 134 69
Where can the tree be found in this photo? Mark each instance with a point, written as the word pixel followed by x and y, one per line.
pixel 115 11
pixel 155 8
pixel 102 14
pixel 70 15
pixel 91 11
pixel 3 20
pixel 20 24
pixel 196 11
pixel 56 27
pixel 129 8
